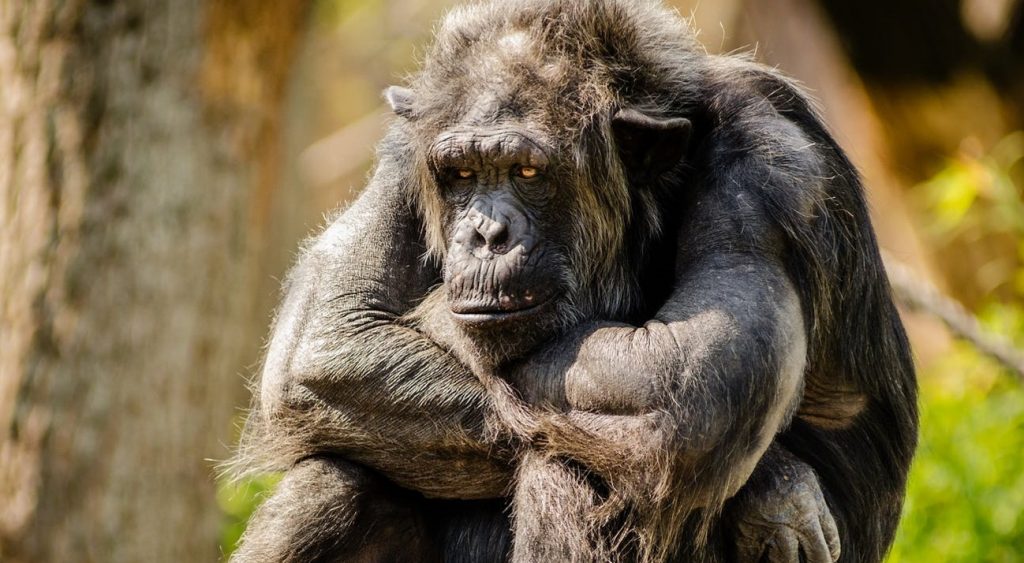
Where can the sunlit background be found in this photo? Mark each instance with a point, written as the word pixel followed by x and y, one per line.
pixel 927 96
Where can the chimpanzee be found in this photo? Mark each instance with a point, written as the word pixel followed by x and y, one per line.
pixel 621 289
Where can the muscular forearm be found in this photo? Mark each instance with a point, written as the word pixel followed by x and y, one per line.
pixel 708 385
pixel 342 375
pixel 390 399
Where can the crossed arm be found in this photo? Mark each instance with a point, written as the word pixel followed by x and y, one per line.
pixel 720 365
pixel 709 381
pixel 342 377
pixel 681 411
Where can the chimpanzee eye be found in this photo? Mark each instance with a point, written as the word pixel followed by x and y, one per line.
pixel 527 172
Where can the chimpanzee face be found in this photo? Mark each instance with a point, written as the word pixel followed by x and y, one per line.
pixel 530 209
pixel 505 259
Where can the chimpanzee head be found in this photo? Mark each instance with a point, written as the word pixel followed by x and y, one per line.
pixel 542 163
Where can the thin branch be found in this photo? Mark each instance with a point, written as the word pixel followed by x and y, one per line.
pixel 918 294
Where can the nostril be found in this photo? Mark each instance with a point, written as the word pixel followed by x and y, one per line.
pixel 492 236
pixel 477 240
pixel 499 239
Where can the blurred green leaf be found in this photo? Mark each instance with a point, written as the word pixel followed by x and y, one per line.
pixel 965 499
pixel 953 192
pixel 237 501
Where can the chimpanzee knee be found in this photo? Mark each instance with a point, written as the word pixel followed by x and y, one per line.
pixel 330 510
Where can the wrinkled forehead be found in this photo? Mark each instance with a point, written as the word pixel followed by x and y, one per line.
pixel 498 145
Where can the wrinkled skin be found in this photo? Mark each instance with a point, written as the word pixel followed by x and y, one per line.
pixel 782 512
pixel 503 267
pixel 661 320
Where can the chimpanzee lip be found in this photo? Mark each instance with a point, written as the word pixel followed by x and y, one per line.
pixel 489 313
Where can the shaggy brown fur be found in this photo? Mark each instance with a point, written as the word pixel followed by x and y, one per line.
pixel 707 251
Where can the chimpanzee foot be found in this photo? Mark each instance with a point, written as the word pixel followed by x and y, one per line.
pixel 781 513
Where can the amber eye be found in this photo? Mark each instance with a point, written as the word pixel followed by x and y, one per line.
pixel 527 172
pixel 464 173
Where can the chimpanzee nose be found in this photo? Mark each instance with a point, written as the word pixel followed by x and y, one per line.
pixel 490 234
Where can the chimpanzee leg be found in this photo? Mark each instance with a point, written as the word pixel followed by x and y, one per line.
pixel 329 510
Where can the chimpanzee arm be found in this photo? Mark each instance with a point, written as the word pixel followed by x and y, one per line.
pixel 719 370
pixel 342 377
pixel 721 365
pixel 779 511
pixel 677 412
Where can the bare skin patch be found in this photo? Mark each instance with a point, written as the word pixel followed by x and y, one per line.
pixel 831 405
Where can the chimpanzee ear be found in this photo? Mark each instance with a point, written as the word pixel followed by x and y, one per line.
pixel 401 100
pixel 650 146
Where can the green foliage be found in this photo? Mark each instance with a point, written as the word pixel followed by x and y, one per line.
pixel 237 501
pixel 978 193
pixel 966 492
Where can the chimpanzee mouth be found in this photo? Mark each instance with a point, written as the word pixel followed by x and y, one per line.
pixel 486 313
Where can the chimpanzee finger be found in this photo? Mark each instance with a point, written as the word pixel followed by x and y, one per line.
pixel 814 545
pixel 831 532
pixel 784 548
pixel 749 551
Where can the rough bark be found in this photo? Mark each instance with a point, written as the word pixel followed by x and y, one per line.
pixel 137 159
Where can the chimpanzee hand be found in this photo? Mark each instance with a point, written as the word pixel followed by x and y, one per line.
pixel 562 376
pixel 781 513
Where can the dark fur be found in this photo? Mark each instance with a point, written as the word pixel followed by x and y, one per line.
pixel 764 206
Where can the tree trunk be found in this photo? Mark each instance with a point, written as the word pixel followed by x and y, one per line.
pixel 137 160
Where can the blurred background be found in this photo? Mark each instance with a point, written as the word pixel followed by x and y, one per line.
pixel 161 161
